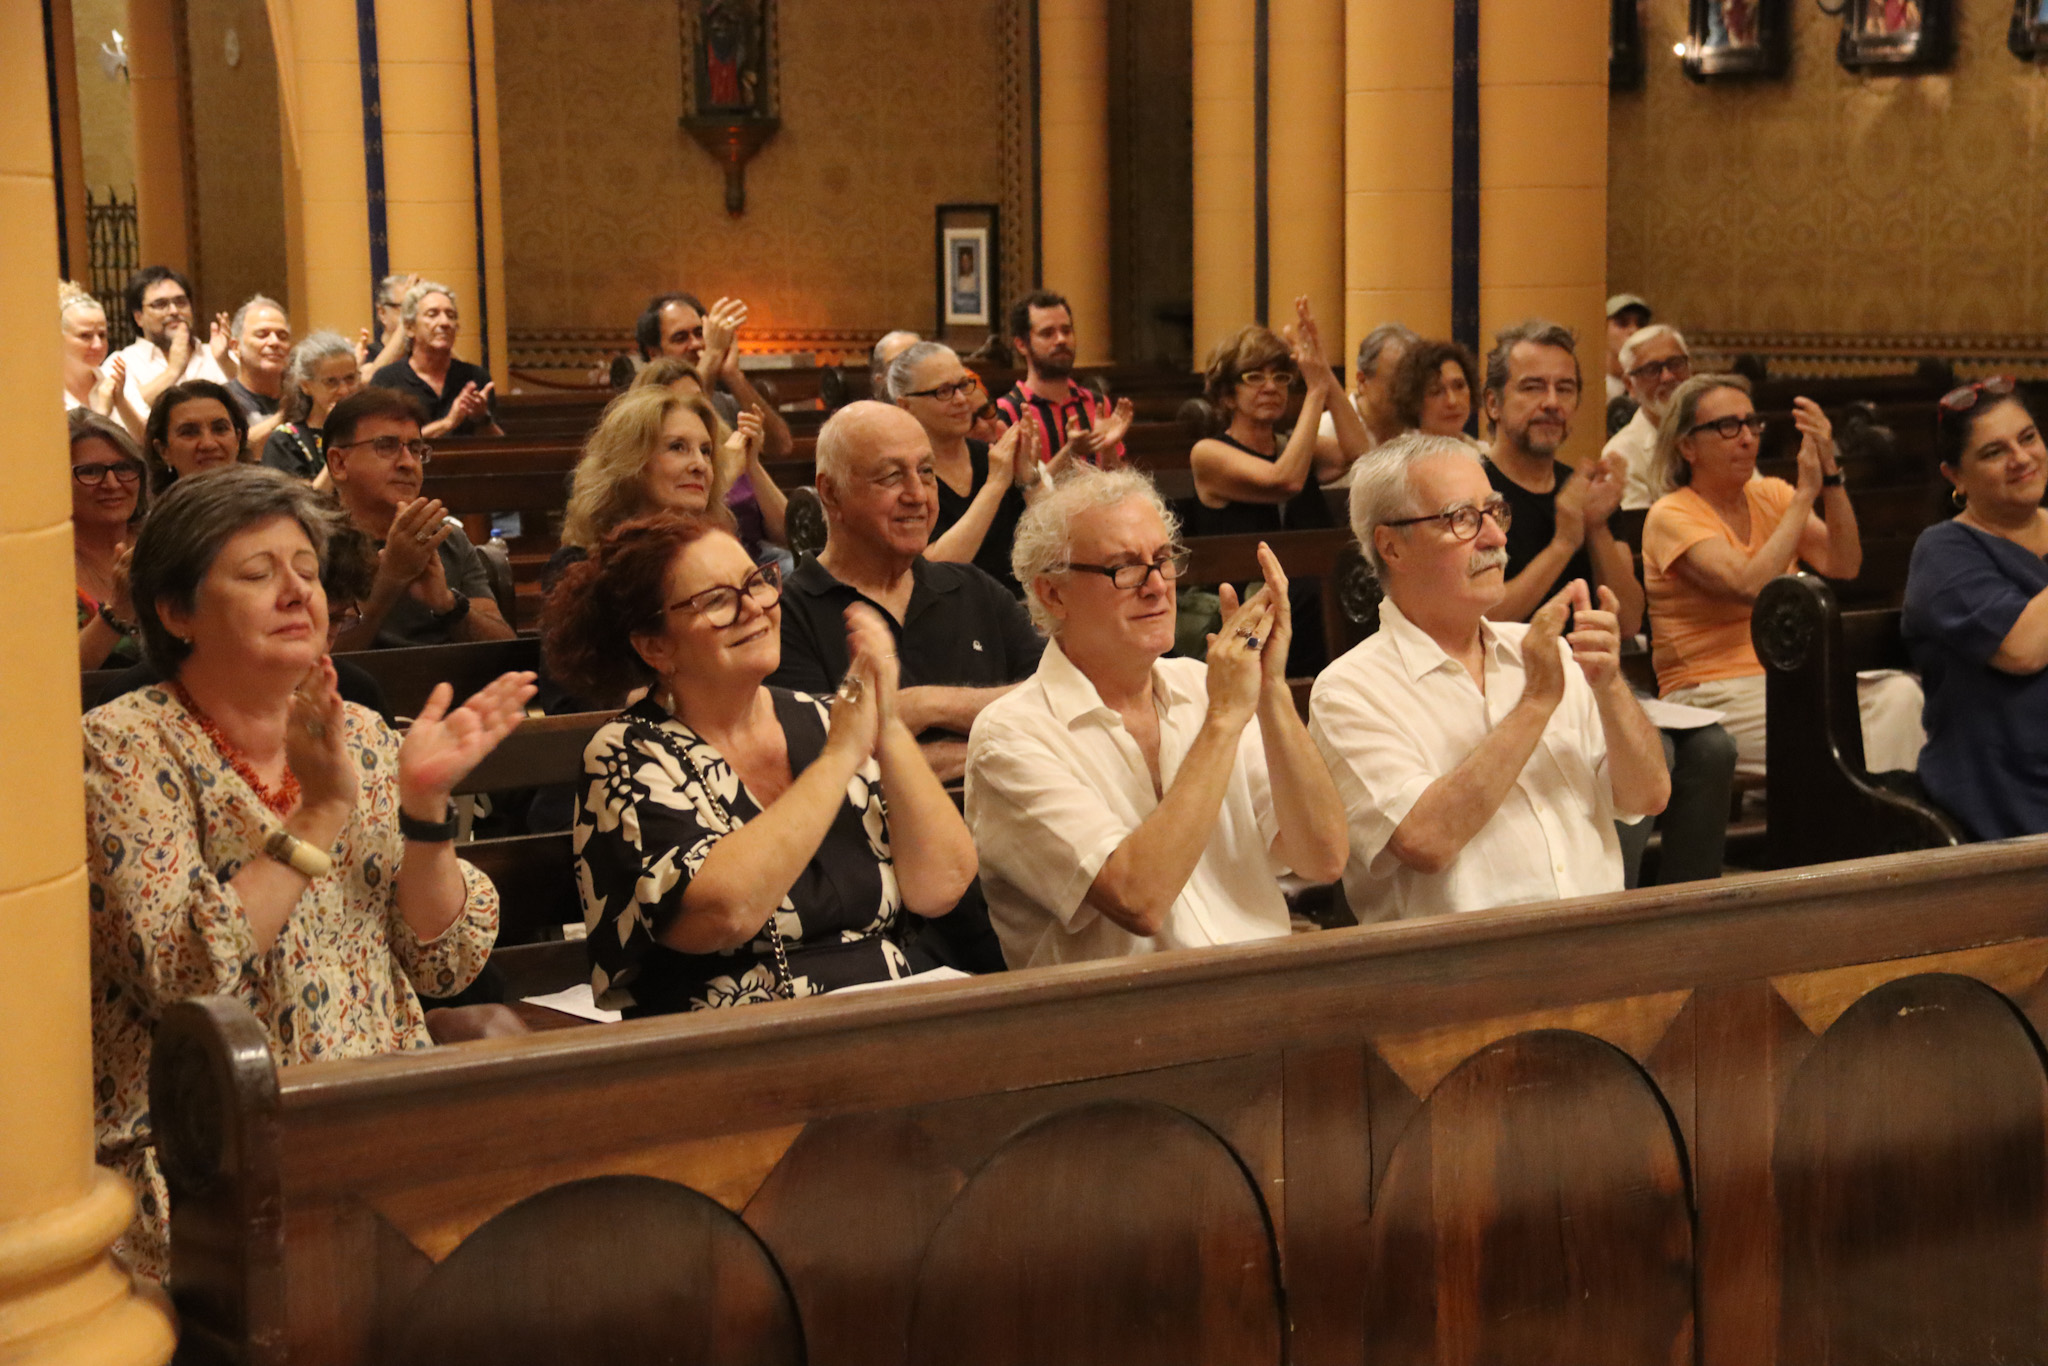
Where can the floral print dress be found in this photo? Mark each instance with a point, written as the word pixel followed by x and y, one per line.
pixel 656 799
pixel 168 826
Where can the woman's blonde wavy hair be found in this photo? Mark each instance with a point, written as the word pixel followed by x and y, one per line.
pixel 610 483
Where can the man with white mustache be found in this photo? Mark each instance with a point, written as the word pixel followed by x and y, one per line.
pixel 1656 361
pixel 1481 763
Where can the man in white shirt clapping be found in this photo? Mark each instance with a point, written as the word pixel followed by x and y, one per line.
pixel 1122 802
pixel 1481 763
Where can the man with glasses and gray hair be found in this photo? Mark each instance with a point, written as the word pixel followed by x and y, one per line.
pixel 1655 361
pixel 1123 802
pixel 1481 763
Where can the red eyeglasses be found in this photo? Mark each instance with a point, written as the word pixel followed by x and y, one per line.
pixel 1961 400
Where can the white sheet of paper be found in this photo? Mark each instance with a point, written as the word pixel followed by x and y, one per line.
pixel 1676 715
pixel 935 975
pixel 578 1001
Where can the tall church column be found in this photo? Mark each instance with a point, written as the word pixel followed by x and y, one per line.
pixel 1305 164
pixel 1543 179
pixel 430 169
pixel 1073 158
pixel 489 178
pixel 1397 166
pixel 1225 166
pixel 327 196
pixel 63 1299
pixel 157 100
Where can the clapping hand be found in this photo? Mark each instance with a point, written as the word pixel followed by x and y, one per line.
pixel 1542 663
pixel 1236 655
pixel 743 447
pixel 472 403
pixel 1604 479
pixel 362 348
pixel 316 741
pixel 1109 437
pixel 1010 464
pixel 414 541
pixel 1279 634
pixel 1817 434
pixel 220 344
pixel 1309 359
pixel 442 746
pixel 721 331
pixel 1595 634
pixel 866 701
pixel 112 376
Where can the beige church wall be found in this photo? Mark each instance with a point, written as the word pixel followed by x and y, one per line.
pixel 887 110
pixel 1833 213
pixel 237 155
pixel 105 127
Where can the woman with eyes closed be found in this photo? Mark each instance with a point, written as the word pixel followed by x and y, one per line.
pixel 252 835
pixel 653 451
pixel 735 842
pixel 195 426
pixel 1976 617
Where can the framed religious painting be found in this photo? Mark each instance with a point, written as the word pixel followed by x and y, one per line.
pixel 2027 35
pixel 969 293
pixel 1895 35
pixel 1735 38
pixel 731 53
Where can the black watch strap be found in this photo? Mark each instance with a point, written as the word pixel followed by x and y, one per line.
pixel 456 611
pixel 1832 481
pixel 427 832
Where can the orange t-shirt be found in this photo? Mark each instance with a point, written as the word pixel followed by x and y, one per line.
pixel 1698 638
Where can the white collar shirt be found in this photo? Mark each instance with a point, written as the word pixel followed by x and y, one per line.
pixel 1637 443
pixel 1056 784
pixel 146 361
pixel 1396 713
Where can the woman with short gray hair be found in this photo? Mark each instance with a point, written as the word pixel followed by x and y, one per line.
pixel 322 371
pixel 458 397
pixel 250 834
pixel 983 486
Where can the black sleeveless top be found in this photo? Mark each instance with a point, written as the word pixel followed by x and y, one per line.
pixel 1305 511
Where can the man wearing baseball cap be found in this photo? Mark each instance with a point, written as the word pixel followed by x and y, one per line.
pixel 1625 313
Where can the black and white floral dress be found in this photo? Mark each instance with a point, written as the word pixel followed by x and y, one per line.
pixel 645 825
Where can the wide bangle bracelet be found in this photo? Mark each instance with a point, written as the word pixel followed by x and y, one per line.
pixel 427 832
pixel 301 857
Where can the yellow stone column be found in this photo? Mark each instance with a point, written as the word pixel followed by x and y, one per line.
pixel 1225 168
pixel 1543 179
pixel 429 166
pixel 483 18
pixel 1305 164
pixel 327 220
pixel 63 1300
pixel 156 96
pixel 1073 143
pixel 1397 166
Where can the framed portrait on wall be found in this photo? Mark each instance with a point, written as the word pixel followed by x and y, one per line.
pixel 1736 38
pixel 2027 35
pixel 1879 35
pixel 969 291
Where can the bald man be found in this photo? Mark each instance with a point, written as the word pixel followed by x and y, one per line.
pixel 892 345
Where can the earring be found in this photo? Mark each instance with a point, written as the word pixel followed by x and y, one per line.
pixel 1955 495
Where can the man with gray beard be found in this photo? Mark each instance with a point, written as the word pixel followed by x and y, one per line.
pixel 1481 763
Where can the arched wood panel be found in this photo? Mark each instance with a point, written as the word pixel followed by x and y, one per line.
pixel 1912 1175
pixel 1536 1212
pixel 611 1270
pixel 1110 1235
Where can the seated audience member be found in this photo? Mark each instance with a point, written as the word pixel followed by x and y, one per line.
pixel 457 397
pixel 1481 763
pixel 91 380
pixel 1719 535
pixel 262 336
pixel 322 372
pixel 757 503
pixel 1976 618
pixel 886 350
pixel 982 487
pixel 1073 420
pixel 679 325
pixel 962 639
pixel 651 451
pixel 251 835
pixel 165 350
pixel 394 340
pixel 1626 315
pixel 1123 802
pixel 1433 388
pixel 107 504
pixel 432 586
pixel 1657 361
pixel 1560 532
pixel 1379 355
pixel 194 427
pixel 738 842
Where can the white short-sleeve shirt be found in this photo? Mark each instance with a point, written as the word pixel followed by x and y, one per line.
pixel 1637 443
pixel 1396 713
pixel 1055 784
pixel 146 361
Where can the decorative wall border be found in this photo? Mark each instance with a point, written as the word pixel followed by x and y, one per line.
pixel 1827 354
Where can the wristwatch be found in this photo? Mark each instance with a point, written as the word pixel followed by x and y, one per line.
pixel 457 610
pixel 1832 481
pixel 427 832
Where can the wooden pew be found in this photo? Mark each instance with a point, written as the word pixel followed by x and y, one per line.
pixel 408 676
pixel 1785 1117
pixel 1822 803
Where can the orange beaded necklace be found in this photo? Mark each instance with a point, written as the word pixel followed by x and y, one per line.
pixel 282 799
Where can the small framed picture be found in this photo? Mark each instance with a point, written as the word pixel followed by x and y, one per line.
pixel 2027 35
pixel 1879 35
pixel 1736 38
pixel 969 297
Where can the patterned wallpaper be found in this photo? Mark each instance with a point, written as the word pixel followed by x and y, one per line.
pixel 1836 212
pixel 887 110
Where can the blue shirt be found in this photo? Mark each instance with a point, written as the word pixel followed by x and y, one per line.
pixel 1986 760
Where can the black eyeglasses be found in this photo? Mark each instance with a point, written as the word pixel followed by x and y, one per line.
pixel 1957 401
pixel 946 393
pixel 763 588
pixel 125 472
pixel 388 447
pixel 344 618
pixel 1463 521
pixel 1728 428
pixel 1169 567
pixel 1678 367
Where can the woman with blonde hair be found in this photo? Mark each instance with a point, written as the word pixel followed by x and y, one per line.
pixel 755 501
pixel 91 380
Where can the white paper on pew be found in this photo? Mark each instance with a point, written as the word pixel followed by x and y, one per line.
pixel 935 975
pixel 1676 715
pixel 577 1001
